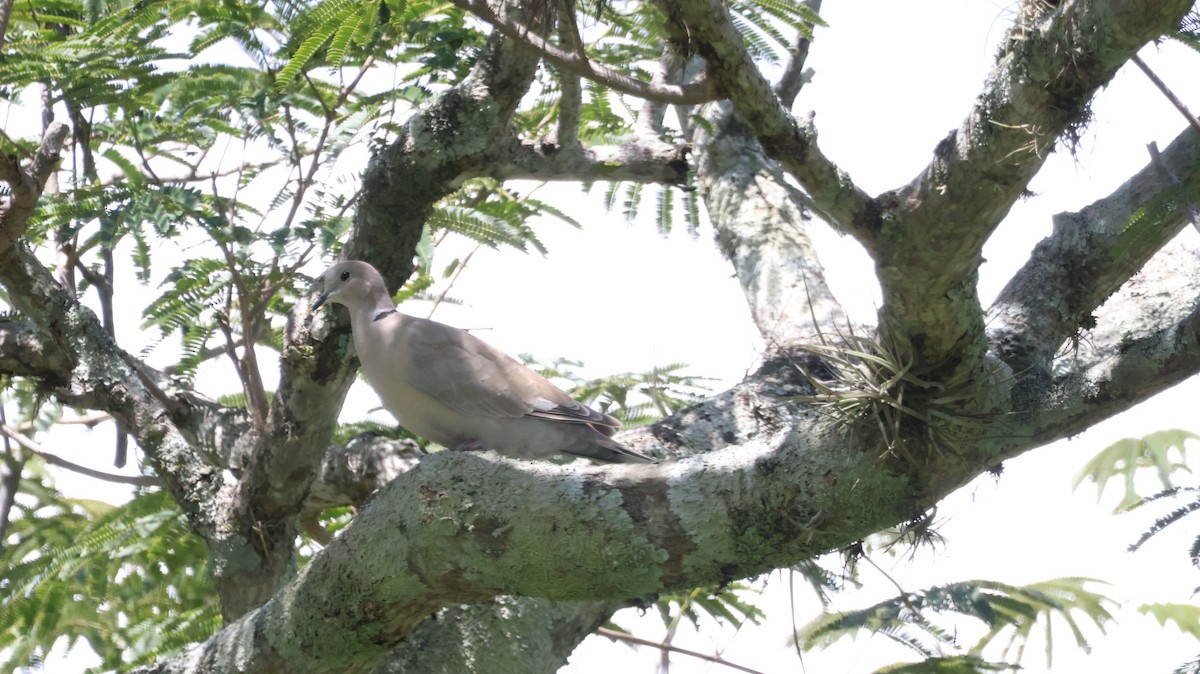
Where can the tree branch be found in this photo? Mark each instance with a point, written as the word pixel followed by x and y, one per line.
pixel 1038 93
pixel 478 638
pixel 352 471
pixel 5 14
pixel 760 226
pixel 706 24
pixel 1147 339
pixel 634 161
pixel 794 75
pixel 1091 253
pixel 27 184
pixel 570 99
pixel 55 460
pixel 578 63
pixel 27 352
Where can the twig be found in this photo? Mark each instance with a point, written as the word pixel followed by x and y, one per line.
pixel 27 184
pixel 621 636
pixel 89 420
pixel 28 443
pixel 792 606
pixel 453 277
pixel 1166 91
pixel 903 593
pixel 700 91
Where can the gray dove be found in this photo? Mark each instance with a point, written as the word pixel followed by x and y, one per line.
pixel 451 387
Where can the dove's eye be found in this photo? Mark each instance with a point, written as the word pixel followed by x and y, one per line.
pixel 345 276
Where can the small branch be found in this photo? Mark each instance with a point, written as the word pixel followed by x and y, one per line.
pixel 570 102
pixel 701 91
pixel 650 117
pixel 27 184
pixel 29 444
pixel 615 636
pixel 89 420
pixel 1045 302
pixel 454 277
pixel 795 76
pixel 791 142
pixel 11 465
pixel 1166 91
pixel 653 162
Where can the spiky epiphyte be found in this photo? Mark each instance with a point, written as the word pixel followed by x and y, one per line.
pixel 872 387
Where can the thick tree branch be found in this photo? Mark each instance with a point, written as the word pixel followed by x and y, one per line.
pixel 1038 93
pixel 503 636
pixel 578 63
pixel 706 25
pixel 104 377
pixel 27 352
pixel 352 471
pixel 599 532
pixel 1147 339
pixel 1091 253
pixel 760 225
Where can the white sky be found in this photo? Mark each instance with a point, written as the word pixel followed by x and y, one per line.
pixel 892 79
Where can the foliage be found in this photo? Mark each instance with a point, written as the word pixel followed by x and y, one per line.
pixel 1172 517
pixel 911 620
pixel 1184 616
pixel 1125 458
pixel 129 580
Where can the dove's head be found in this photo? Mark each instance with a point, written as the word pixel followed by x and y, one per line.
pixel 354 284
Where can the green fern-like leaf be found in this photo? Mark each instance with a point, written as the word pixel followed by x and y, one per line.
pixel 1003 608
pixel 1161 523
pixel 1163 451
pixel 88 570
pixel 954 664
pixel 336 23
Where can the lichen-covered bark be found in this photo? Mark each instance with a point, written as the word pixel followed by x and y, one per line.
pixel 760 223
pixel 1090 254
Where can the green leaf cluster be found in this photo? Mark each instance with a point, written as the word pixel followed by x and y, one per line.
pixel 910 619
pixel 129 580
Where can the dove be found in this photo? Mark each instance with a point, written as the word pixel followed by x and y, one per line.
pixel 448 386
